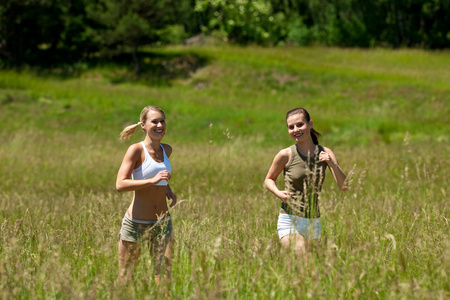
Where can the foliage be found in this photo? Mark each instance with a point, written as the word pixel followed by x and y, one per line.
pixel 131 23
pixel 42 32
pixel 241 21
pixel 337 22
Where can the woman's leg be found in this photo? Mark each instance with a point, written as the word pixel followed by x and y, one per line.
pixel 162 248
pixel 168 255
pixel 295 242
pixel 129 253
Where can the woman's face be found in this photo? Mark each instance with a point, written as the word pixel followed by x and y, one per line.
pixel 299 129
pixel 155 125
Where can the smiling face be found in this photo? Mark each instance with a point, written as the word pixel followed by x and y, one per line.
pixel 298 127
pixel 155 125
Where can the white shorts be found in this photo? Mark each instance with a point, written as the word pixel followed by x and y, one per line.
pixel 287 224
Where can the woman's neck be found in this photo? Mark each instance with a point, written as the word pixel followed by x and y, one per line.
pixel 152 144
pixel 306 148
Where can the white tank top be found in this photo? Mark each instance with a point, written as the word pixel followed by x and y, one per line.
pixel 150 168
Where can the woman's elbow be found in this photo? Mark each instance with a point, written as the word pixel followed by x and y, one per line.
pixel 270 184
pixel 119 187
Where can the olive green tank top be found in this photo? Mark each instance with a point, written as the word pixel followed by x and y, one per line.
pixel 304 176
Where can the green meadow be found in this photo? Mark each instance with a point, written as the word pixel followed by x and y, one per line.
pixel 384 113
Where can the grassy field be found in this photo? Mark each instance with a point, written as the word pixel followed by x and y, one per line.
pixel 385 114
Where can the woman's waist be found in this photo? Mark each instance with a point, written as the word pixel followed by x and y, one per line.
pixel 300 212
pixel 290 218
pixel 146 208
pixel 147 213
pixel 163 218
pixel 301 206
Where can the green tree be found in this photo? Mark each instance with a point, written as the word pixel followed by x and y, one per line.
pixel 240 21
pixel 48 32
pixel 394 23
pixel 20 38
pixel 415 23
pixel 42 32
pixel 122 24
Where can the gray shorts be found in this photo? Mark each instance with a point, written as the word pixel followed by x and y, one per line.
pixel 134 230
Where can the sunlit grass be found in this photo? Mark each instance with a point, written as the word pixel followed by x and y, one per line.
pixel 383 238
pixel 387 237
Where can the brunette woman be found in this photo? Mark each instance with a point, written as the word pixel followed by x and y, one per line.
pixel 304 165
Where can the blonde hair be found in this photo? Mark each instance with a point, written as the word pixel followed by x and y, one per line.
pixel 130 130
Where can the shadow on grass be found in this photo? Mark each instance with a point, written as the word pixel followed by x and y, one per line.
pixel 157 67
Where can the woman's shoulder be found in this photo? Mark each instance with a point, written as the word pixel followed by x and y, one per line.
pixel 285 151
pixel 323 148
pixel 167 148
pixel 136 146
pixel 135 149
pixel 133 153
pixel 284 155
pixel 327 150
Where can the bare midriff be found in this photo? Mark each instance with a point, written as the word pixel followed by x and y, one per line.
pixel 149 203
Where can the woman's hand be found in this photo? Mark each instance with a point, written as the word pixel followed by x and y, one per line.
pixel 162 175
pixel 339 176
pixel 285 196
pixel 171 196
pixel 326 157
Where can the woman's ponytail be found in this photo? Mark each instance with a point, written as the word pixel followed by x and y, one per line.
pixel 128 131
pixel 315 136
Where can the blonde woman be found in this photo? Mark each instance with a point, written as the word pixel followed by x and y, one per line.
pixel 304 165
pixel 146 171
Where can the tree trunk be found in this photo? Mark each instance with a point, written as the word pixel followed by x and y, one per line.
pixel 137 65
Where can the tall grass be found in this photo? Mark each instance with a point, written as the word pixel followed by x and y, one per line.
pixel 384 114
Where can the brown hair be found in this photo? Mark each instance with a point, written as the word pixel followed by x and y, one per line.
pixel 130 130
pixel 300 110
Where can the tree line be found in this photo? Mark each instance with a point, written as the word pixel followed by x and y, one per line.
pixel 40 32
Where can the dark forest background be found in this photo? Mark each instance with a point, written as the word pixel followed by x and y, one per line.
pixel 51 32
